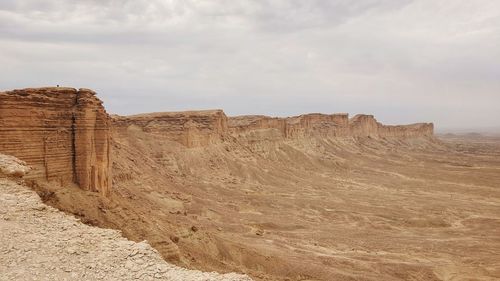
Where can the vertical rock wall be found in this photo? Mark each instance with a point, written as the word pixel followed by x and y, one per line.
pixel 92 143
pixel 326 125
pixel 363 126
pixel 317 124
pixel 190 128
pixel 63 133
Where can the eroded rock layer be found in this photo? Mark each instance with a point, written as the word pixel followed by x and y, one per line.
pixel 326 125
pixel 190 128
pixel 63 133
pixel 200 128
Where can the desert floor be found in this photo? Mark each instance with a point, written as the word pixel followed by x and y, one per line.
pixel 310 209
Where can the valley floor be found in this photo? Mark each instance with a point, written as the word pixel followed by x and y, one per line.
pixel 312 209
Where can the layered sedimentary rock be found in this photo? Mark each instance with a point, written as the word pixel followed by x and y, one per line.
pixel 201 128
pixel 367 126
pixel 190 128
pixel 363 126
pixel 327 125
pixel 316 124
pixel 62 133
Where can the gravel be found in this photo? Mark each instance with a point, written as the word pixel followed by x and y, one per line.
pixel 38 242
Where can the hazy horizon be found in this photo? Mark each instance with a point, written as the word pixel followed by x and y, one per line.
pixel 402 61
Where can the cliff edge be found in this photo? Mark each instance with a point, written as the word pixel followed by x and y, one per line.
pixel 201 128
pixel 62 133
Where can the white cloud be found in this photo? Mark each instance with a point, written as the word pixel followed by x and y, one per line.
pixel 404 61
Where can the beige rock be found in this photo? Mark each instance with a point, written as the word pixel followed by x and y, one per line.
pixel 190 128
pixel 11 166
pixel 63 133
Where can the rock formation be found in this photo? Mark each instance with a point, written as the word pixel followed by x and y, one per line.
pixel 10 166
pixel 201 128
pixel 63 133
pixel 367 126
pixel 190 128
pixel 324 125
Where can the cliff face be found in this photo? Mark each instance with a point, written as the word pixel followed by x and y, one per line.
pixel 201 128
pixel 324 125
pixel 190 128
pixel 407 131
pixel 317 124
pixel 314 124
pixel 63 133
pixel 366 125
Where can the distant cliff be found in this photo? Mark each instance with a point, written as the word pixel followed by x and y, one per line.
pixel 201 128
pixel 190 128
pixel 63 133
pixel 327 125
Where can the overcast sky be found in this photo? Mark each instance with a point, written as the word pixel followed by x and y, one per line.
pixel 403 61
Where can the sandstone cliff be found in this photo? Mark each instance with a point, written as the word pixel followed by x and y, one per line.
pixel 367 126
pixel 190 128
pixel 201 128
pixel 63 133
pixel 326 125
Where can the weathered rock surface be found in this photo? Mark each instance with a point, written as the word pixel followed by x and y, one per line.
pixel 63 133
pixel 314 124
pixel 38 242
pixel 367 126
pixel 327 125
pixel 200 128
pixel 190 128
pixel 10 166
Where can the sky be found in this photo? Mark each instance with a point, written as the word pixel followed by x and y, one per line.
pixel 403 61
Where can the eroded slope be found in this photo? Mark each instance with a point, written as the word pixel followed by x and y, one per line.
pixel 308 208
pixel 38 242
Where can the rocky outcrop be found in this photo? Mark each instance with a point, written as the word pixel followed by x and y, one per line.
pixel 190 128
pixel 201 128
pixel 367 126
pixel 363 126
pixel 10 166
pixel 62 133
pixel 316 124
pixel 326 125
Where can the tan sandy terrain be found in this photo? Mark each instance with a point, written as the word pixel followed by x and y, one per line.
pixel 309 209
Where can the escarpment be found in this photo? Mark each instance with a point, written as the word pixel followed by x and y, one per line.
pixel 62 133
pixel 326 125
pixel 201 128
pixel 190 128
pixel 314 124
